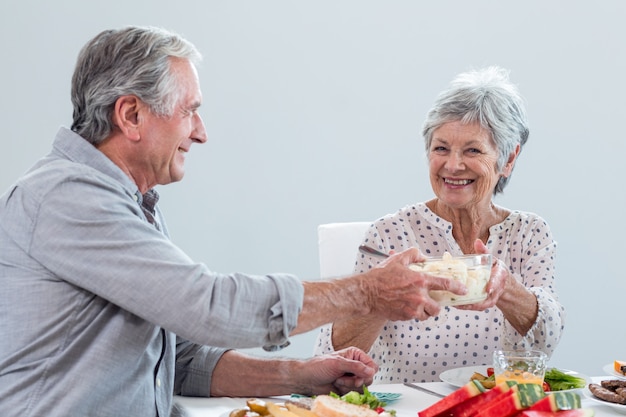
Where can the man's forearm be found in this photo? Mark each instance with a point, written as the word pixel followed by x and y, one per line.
pixel 326 301
pixel 241 375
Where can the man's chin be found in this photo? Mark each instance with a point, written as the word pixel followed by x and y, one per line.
pixel 173 177
pixel 177 178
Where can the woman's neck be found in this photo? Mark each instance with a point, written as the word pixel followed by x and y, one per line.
pixel 469 224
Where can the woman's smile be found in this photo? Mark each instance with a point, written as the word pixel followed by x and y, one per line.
pixel 452 181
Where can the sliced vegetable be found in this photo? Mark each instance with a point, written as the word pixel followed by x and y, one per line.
pixel 486 381
pixel 559 380
pixel 367 398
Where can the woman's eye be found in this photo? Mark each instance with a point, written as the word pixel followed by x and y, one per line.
pixel 474 150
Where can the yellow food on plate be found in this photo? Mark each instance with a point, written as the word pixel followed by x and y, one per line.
pixel 243 412
pixel 319 406
pixel 301 412
pixel 486 381
pixel 258 406
pixel 327 406
pixel 620 367
pixel 322 406
pixel 279 411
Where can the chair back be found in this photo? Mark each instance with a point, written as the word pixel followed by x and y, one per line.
pixel 338 245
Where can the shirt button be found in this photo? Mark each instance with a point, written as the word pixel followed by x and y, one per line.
pixel 158 382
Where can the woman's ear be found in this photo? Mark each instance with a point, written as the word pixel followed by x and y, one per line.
pixel 126 116
pixel 510 163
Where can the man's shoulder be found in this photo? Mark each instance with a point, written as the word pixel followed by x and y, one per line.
pixel 49 173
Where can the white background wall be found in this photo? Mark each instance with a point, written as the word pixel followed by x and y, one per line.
pixel 314 109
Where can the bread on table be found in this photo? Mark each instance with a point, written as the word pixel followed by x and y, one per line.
pixel 327 406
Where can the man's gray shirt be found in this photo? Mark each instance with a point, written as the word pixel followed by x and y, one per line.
pixel 100 313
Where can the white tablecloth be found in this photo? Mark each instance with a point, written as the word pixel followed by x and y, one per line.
pixel 410 402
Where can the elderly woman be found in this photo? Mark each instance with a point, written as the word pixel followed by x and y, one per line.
pixel 474 134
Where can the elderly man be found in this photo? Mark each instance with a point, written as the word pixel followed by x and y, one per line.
pixel 102 315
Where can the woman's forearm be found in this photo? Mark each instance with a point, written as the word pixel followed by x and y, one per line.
pixel 360 332
pixel 519 306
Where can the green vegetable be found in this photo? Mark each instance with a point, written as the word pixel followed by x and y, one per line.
pixel 367 398
pixel 559 380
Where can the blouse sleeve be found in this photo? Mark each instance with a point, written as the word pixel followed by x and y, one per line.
pixel 533 265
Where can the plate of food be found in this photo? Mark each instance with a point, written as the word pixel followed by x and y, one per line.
pixel 615 369
pixel 557 379
pixel 312 407
pixel 385 397
pixel 253 407
pixel 461 376
pixel 608 392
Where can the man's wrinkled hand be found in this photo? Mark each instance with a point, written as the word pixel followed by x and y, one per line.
pixel 398 293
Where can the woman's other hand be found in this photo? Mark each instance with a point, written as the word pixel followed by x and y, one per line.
pixel 495 286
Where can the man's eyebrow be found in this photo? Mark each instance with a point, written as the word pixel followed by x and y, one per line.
pixel 191 107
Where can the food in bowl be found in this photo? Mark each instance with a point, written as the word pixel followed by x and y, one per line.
pixel 472 270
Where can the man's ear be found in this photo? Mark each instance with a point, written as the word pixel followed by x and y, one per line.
pixel 126 116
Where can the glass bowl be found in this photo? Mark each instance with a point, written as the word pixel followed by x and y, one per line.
pixel 472 270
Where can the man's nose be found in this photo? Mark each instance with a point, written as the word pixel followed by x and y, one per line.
pixel 199 132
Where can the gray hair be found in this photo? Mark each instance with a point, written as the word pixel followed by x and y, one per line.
pixel 488 97
pixel 129 61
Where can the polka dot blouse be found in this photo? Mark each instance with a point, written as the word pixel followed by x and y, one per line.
pixel 420 350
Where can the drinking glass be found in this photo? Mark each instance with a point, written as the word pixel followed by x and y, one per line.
pixel 523 366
